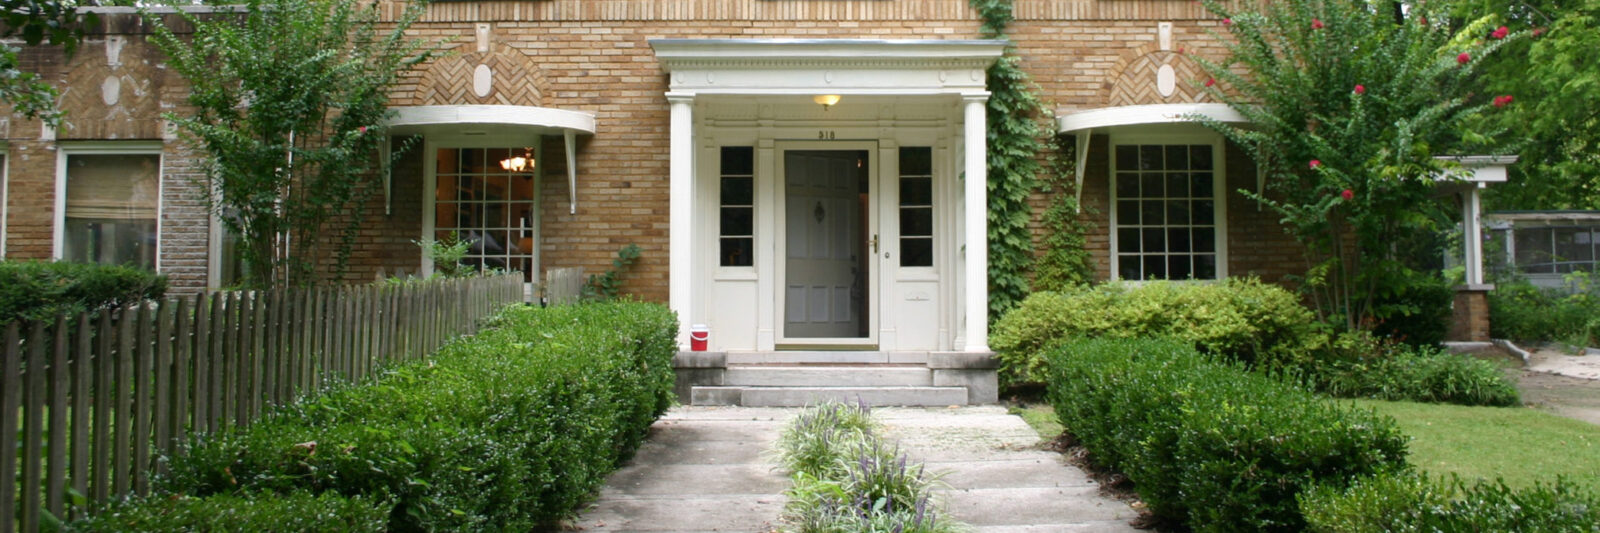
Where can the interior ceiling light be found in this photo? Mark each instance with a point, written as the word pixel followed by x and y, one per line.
pixel 518 163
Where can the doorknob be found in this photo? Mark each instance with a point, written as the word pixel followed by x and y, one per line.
pixel 874 243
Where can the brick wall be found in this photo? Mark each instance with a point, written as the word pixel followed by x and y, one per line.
pixel 594 56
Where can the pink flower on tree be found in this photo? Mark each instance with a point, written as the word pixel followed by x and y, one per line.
pixel 1501 101
pixel 1347 194
pixel 1538 31
pixel 1210 82
pixel 1463 58
pixel 1227 22
pixel 362 129
pixel 1500 33
pixel 1315 163
pixel 1361 89
pixel 1316 24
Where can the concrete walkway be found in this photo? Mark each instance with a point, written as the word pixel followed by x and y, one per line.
pixel 706 469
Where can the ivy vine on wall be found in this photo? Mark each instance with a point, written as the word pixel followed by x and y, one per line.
pixel 1015 131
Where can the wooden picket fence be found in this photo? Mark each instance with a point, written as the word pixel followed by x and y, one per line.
pixel 95 401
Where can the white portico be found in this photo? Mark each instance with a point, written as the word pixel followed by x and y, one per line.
pixel 857 225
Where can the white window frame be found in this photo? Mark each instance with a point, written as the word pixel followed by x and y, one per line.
pixel 71 148
pixel 1219 188
pixel 431 144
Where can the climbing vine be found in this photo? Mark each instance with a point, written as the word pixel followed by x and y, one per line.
pixel 1066 261
pixel 1015 131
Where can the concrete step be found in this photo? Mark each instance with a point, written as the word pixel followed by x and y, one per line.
pixel 825 357
pixel 838 376
pixel 803 396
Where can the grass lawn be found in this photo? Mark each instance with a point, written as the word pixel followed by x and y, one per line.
pixel 1520 445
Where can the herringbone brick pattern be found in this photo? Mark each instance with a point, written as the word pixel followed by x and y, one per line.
pixel 516 79
pixel 1136 84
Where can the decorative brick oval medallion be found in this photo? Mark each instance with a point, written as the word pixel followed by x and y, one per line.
pixel 111 90
pixel 1166 80
pixel 482 80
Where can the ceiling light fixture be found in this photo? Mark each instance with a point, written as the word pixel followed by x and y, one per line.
pixel 518 163
pixel 826 100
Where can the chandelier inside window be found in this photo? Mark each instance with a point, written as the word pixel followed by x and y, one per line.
pixel 519 163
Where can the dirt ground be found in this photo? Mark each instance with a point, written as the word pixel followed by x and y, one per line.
pixel 1555 381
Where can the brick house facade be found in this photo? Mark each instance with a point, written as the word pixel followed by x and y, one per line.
pixel 602 81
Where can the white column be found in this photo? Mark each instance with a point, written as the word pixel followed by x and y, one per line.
pixel 1473 249
pixel 680 232
pixel 977 223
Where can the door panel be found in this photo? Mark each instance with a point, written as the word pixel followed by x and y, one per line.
pixel 826 290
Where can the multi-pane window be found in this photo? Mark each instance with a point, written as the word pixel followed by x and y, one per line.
pixel 1165 219
pixel 111 205
pixel 916 207
pixel 479 201
pixel 737 229
pixel 1557 250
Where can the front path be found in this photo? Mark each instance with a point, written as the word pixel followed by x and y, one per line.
pixel 704 469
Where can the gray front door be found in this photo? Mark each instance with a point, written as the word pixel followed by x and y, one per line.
pixel 826 280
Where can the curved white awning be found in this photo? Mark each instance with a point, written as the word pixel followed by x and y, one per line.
pixel 508 123
pixel 1133 115
pixel 481 119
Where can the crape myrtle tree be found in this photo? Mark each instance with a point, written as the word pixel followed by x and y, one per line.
pixel 1349 102
pixel 1554 124
pixel 288 105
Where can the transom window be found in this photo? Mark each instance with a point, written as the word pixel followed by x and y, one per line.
pixel 1165 219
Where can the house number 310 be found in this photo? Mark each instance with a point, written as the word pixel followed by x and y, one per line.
pixel 826 135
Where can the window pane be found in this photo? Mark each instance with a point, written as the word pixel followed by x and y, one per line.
pixel 737 220
pixel 1127 157
pixel 1155 267
pixel 1128 267
pixel 1202 186
pixel 916 221
pixel 111 208
pixel 1155 240
pixel 1127 185
pixel 1572 244
pixel 737 191
pixel 738 161
pixel 916 161
pixel 1128 239
pixel 1534 248
pixel 1178 185
pixel 1178 239
pixel 1153 212
pixel 1127 212
pixel 1200 157
pixel 916 191
pixel 1205 239
pixel 1203 212
pixel 1151 185
pixel 916 251
pixel 1177 212
pixel 736 251
pixel 1178 267
pixel 1177 158
pixel 1205 267
pixel 1150 158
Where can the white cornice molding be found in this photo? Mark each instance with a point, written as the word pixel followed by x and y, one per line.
pixel 835 66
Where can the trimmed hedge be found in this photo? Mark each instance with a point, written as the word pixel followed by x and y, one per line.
pixel 1241 318
pixel 1409 502
pixel 36 290
pixel 509 430
pixel 1207 443
pixel 1366 367
pixel 298 511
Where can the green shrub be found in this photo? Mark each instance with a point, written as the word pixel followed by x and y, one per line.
pixel 1412 503
pixel 1244 319
pixel 509 430
pixel 1208 443
pixel 1414 309
pixel 1521 311
pixel 32 290
pixel 296 511
pixel 1366 367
